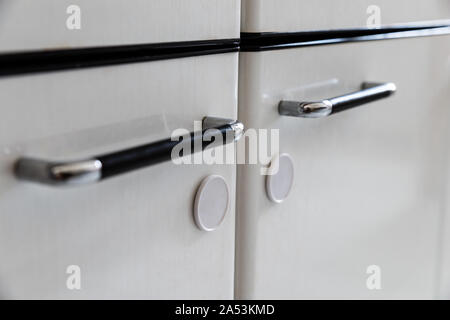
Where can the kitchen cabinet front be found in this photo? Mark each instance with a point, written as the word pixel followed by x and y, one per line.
pixel 363 218
pixel 296 16
pixel 130 236
pixel 350 99
pixel 65 24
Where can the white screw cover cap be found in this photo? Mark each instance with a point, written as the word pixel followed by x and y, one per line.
pixel 279 183
pixel 211 203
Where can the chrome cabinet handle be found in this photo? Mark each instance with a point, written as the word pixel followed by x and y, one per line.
pixel 369 92
pixel 104 166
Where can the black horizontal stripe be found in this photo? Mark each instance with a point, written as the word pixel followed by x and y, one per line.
pixel 278 40
pixel 51 60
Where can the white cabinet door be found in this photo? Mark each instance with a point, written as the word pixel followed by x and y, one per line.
pixel 132 236
pixel 303 15
pixel 368 191
pixel 61 24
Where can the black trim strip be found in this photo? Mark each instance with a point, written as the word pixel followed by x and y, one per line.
pixel 53 60
pixel 40 61
pixel 252 42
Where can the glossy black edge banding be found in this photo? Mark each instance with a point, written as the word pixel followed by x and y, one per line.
pixel 253 42
pixel 53 60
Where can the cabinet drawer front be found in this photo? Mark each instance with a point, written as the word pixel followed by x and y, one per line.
pixel 127 234
pixel 50 24
pixel 368 183
pixel 294 15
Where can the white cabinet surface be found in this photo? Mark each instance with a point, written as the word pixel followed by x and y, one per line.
pixel 43 24
pixel 295 15
pixel 369 185
pixel 133 236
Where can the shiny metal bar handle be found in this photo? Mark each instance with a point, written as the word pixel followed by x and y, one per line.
pixel 369 92
pixel 105 166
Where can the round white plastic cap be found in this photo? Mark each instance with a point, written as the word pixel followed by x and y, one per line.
pixel 211 203
pixel 279 183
